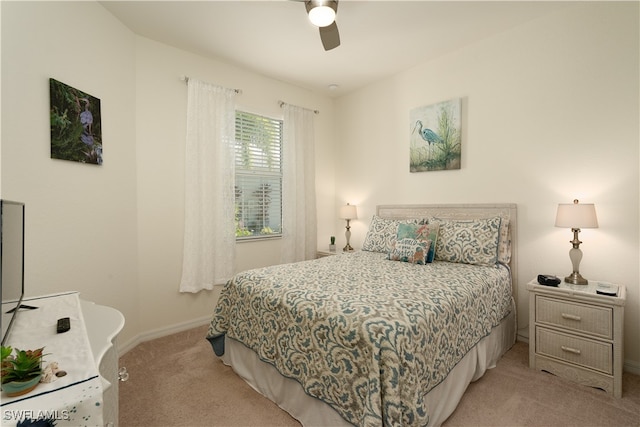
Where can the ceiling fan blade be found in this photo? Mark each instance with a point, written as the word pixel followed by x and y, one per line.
pixel 330 36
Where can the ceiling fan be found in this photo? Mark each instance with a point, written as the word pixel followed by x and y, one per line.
pixel 322 14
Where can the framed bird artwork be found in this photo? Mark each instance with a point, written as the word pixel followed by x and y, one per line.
pixel 76 129
pixel 435 141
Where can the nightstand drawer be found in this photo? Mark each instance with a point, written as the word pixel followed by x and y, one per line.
pixel 585 318
pixel 579 351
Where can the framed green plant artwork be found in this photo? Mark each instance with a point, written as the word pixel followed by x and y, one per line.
pixel 76 129
pixel 435 141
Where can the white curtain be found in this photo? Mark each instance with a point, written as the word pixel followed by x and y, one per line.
pixel 209 231
pixel 298 185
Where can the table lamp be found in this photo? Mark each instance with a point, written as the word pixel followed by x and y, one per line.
pixel 348 212
pixel 576 216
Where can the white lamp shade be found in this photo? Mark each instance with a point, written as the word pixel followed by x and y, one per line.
pixel 576 215
pixel 348 212
pixel 322 16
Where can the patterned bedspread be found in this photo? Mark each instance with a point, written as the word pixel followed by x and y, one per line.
pixel 366 335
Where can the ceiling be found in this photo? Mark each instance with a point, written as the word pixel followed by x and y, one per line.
pixel 275 38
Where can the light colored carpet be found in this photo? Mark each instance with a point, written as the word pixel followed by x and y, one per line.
pixel 178 381
pixel 514 395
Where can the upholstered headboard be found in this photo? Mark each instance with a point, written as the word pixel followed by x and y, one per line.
pixel 464 211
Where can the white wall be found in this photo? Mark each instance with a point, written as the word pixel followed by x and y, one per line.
pixel 80 219
pixel 114 232
pixel 551 114
pixel 161 129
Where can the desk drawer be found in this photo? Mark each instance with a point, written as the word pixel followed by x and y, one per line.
pixel 580 351
pixel 586 318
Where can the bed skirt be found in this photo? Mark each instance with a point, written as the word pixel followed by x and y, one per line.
pixel 443 399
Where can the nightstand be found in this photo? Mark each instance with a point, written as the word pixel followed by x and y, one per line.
pixel 577 334
pixel 321 254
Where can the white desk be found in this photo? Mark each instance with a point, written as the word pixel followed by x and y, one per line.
pixel 103 326
pixel 84 396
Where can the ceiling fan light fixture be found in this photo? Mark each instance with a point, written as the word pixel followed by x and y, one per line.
pixel 322 16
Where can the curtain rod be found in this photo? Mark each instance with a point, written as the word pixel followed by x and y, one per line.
pixel 282 103
pixel 186 80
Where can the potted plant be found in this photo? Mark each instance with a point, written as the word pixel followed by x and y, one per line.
pixel 332 246
pixel 22 371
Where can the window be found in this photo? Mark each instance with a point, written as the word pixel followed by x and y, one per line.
pixel 258 187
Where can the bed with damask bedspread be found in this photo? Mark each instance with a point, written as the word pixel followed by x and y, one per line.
pixel 366 339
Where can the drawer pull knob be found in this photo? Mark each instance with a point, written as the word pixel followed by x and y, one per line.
pixel 571 317
pixel 570 350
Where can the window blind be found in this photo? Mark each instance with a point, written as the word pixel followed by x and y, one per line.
pixel 258 188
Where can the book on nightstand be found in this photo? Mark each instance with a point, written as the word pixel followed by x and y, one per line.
pixel 608 289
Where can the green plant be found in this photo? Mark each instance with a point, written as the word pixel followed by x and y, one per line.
pixel 242 231
pixel 23 366
pixel 333 240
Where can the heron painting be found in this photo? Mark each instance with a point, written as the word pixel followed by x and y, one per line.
pixel 435 138
pixel 76 130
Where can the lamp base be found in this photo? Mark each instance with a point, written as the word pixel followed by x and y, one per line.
pixel 347 248
pixel 576 279
pixel 575 254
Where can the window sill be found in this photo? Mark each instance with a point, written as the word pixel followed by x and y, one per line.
pixel 257 238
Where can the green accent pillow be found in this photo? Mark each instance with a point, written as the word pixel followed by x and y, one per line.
pixel 411 244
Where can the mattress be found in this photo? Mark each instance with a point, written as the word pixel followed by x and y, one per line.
pixel 366 336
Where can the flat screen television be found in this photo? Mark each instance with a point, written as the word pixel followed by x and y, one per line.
pixel 12 262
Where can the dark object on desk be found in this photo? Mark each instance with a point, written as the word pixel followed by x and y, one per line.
pixel 38 422
pixel 12 222
pixel 548 280
pixel 22 307
pixel 63 325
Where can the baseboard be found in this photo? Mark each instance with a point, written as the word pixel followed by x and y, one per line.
pixel 631 367
pixel 161 332
pixel 522 338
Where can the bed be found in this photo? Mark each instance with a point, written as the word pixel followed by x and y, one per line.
pixel 389 335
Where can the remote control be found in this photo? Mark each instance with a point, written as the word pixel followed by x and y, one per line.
pixel 63 325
